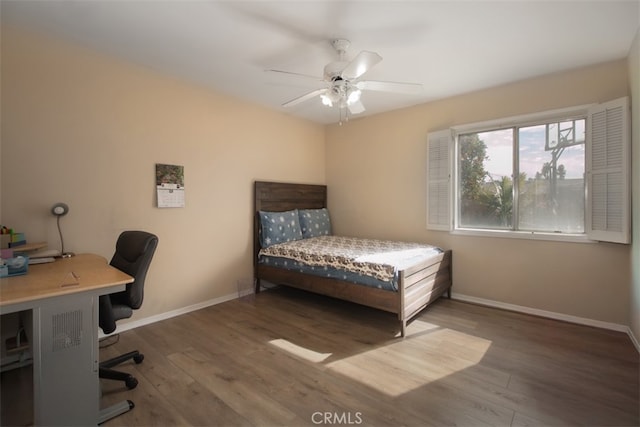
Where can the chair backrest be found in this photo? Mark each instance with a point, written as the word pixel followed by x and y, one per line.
pixel 134 251
pixel 133 255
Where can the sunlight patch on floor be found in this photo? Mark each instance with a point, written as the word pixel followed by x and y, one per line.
pixel 418 326
pixel 419 359
pixel 301 352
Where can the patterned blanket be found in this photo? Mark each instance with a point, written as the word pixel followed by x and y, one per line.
pixel 377 258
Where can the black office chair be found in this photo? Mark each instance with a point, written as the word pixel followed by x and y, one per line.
pixel 134 251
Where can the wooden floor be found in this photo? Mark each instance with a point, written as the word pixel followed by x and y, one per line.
pixel 285 357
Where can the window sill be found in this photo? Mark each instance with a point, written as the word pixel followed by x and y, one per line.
pixel 527 235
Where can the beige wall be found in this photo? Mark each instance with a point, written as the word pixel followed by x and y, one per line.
pixel 634 78
pixel 87 130
pixel 376 173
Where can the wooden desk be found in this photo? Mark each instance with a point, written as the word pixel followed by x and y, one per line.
pixel 62 298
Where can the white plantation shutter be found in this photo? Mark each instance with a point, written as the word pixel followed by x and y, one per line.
pixel 439 158
pixel 609 172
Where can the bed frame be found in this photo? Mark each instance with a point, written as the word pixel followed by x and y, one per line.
pixel 418 286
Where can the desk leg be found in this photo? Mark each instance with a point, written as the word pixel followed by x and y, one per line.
pixel 66 384
pixel 114 410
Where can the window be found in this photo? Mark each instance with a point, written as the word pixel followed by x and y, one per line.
pixel 534 175
pixel 549 162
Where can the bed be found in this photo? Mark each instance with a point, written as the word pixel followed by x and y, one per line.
pixel 415 286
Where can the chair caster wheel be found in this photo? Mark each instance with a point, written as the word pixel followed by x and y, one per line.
pixel 131 404
pixel 131 382
pixel 138 359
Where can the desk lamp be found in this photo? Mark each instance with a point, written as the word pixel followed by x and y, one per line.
pixel 58 210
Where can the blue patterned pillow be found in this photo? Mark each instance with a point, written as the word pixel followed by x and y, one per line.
pixel 279 227
pixel 315 222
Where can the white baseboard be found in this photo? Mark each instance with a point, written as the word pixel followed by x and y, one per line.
pixel 634 340
pixel 460 297
pixel 550 315
pixel 173 313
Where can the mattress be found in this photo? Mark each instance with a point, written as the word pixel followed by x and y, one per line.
pixel 368 262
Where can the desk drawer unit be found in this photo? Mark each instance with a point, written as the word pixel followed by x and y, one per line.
pixel 66 357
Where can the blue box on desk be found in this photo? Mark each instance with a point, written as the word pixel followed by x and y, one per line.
pixel 14 266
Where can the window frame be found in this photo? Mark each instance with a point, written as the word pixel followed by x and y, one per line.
pixel 515 122
pixel 608 172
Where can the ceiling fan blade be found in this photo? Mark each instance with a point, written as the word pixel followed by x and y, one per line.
pixel 360 65
pixel 397 87
pixel 289 73
pixel 305 97
pixel 356 107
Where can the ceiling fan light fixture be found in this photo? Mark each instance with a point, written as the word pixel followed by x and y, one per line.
pixel 326 100
pixel 353 96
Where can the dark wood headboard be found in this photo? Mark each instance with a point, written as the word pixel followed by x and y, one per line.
pixel 278 197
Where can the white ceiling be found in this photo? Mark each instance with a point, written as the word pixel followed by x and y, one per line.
pixel 451 47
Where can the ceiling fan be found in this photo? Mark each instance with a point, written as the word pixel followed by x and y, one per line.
pixel 342 84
